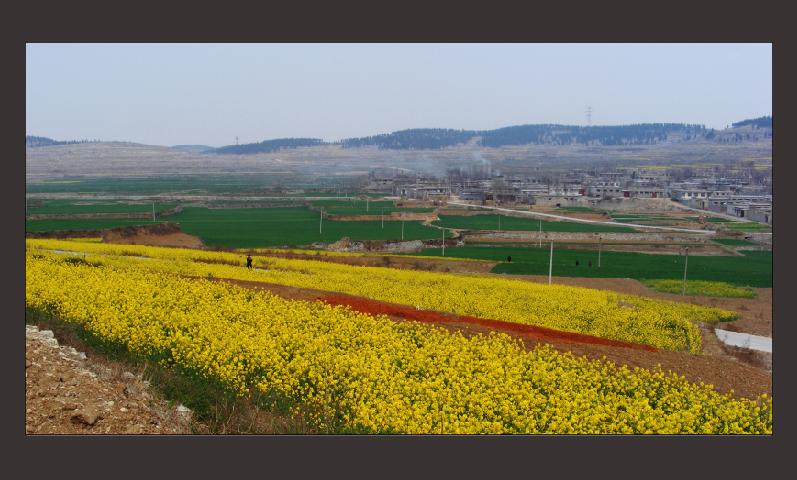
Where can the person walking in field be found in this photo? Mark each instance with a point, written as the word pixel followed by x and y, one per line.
pixel 249 262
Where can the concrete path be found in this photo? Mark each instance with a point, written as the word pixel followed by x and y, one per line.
pixel 745 340
pixel 582 220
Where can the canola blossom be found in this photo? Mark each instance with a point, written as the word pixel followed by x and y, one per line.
pixel 612 315
pixel 348 372
pixel 701 287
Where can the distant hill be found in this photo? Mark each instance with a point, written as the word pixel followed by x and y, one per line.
pixel 418 138
pixel 638 134
pixel 750 130
pixel 34 141
pixel 535 134
pixel 267 146
pixel 541 134
pixel 760 122
pixel 192 148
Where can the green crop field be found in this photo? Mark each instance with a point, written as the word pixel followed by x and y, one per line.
pixel 580 210
pixel 192 184
pixel 490 222
pixel 714 219
pixel 71 207
pixel 82 224
pixel 361 207
pixel 752 269
pixel 257 227
pixel 373 211
pixel 661 222
pixel 147 185
pixel 263 227
pixel 644 219
pixel 352 203
pixel 750 226
pixel 701 287
pixel 636 215
pixel 733 241
pixel 631 218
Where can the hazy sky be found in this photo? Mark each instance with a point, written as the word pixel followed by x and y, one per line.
pixel 207 94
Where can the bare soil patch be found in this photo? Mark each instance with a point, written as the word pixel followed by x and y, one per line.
pixel 160 235
pixel 169 240
pixel 413 263
pixel 67 392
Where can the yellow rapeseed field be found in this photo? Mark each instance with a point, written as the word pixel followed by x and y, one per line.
pixel 348 372
pixel 659 323
pixel 701 287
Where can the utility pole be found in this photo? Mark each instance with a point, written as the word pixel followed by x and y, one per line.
pixel 499 222
pixel 686 260
pixel 550 265
pixel 402 230
pixel 540 235
pixel 366 204
pixel 321 220
pixel 153 211
pixel 600 244
pixel 444 242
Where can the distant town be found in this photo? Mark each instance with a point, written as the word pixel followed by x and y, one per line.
pixel 743 191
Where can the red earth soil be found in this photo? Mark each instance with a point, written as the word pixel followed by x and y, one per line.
pixel 526 331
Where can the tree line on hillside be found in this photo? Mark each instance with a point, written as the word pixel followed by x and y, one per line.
pixel 760 122
pixel 638 134
pixel 417 138
pixel 541 134
pixel 34 141
pixel 268 146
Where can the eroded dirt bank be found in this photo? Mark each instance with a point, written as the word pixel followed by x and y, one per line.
pixel 66 392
